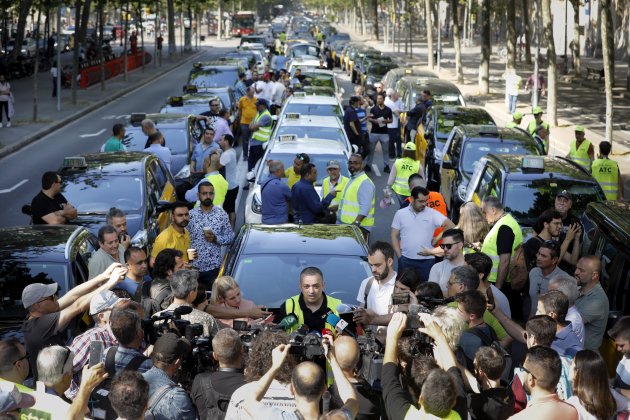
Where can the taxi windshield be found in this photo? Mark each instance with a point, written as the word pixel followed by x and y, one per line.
pixel 322 110
pixel 96 193
pixel 340 271
pixel 379 69
pixel 326 133
pixel 320 161
pixel 474 150
pixel 526 200
pixel 176 139
pixel 213 77
pixel 447 121
pixel 318 80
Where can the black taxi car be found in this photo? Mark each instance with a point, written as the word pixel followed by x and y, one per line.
pixel 267 260
pixel 466 145
pixel 189 104
pixel 392 77
pixel 527 185
pixel 135 182
pixel 214 74
pixel 432 133
pixel 40 254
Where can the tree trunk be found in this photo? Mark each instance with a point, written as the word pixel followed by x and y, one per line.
pixel 486 48
pixel 141 34
pixel 575 52
pixel 429 28
pixel 101 57
pixel 457 41
pixel 125 54
pixel 39 16
pixel 511 37
pixel 608 54
pixel 362 14
pixel 85 17
pixel 528 32
pixel 75 52
pixel 172 48
pixel 25 6
pixel 375 22
pixel 552 71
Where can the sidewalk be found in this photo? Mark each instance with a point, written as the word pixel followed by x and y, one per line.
pixel 579 102
pixel 24 130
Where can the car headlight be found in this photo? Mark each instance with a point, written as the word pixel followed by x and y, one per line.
pixel 183 173
pixel 256 204
pixel 461 191
pixel 140 239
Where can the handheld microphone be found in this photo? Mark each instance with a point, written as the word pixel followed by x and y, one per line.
pixel 326 331
pixel 342 308
pixel 339 324
pixel 288 322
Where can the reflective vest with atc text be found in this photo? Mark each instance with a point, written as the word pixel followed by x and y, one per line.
pixel 489 246
pixel 606 172
pixel 349 205
pixel 405 167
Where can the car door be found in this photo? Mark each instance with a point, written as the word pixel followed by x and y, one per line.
pixel 448 175
pixel 159 179
pixel 482 187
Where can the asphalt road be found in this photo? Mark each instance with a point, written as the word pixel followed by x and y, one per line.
pixel 21 172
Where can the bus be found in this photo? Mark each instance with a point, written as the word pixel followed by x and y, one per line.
pixel 243 23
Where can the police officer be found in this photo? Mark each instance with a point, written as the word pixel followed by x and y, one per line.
pixel 403 169
pixel 581 151
pixel 260 128
pixel 356 205
pixel 517 118
pixel 312 305
pixel 606 172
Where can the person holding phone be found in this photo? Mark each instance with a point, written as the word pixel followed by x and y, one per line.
pixel 226 292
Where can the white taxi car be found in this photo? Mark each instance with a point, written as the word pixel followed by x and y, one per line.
pixel 313 105
pixel 310 127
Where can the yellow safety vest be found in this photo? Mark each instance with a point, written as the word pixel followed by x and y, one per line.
pixel 292 306
pixel 405 167
pixel 531 128
pixel 511 124
pixel 349 204
pixel 341 185
pixel 489 246
pixel 263 133
pixel 320 37
pixel 580 155
pixel 283 37
pixel 220 188
pixel 606 172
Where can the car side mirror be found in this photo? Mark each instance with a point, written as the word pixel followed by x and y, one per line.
pixel 163 206
pixel 447 164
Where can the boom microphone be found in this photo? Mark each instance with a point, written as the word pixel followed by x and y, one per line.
pixel 339 324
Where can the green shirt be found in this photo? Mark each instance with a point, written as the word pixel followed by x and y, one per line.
pixel 113 145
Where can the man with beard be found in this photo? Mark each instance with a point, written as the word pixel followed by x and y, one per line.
pixel 453 246
pixel 137 266
pixel 209 229
pixel 571 228
pixel 592 304
pixel 175 236
pixel 117 219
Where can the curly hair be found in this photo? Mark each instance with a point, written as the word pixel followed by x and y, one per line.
pixel 472 222
pixel 451 323
pixel 259 357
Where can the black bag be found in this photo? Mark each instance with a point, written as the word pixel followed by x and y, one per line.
pixel 222 401
pixel 493 342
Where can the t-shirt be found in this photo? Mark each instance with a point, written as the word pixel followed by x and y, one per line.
pixel 228 159
pixel 43 205
pixel 622 374
pixel 385 113
pixel 370 403
pixel 278 395
pixel 39 333
pixel 349 116
pixel 264 90
pixel 113 145
pixel 441 272
pixel 379 297
pixel 505 240
pixel 248 109
pixel 394 106
pixel 416 230
pixel 470 342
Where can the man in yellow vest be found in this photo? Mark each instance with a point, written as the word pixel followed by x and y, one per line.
pixel 356 205
pixel 606 172
pixel 517 118
pixel 581 151
pixel 312 305
pixel 499 244
pixel 334 181
pixel 537 113
pixel 260 128
pixel 403 169
pixel 211 166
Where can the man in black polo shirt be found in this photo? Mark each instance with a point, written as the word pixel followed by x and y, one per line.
pixel 50 206
pixel 380 115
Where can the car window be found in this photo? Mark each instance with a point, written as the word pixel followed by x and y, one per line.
pixel 259 280
pixel 213 77
pixel 320 162
pixel 158 174
pixel 326 133
pixel 482 187
pixel 616 277
pixel 322 110
pixel 455 147
pixel 474 150
pixel 97 194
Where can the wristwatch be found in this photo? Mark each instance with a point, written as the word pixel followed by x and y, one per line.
pixel 356 222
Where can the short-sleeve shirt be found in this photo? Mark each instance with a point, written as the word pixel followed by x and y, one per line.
pixel 164 153
pixel 39 333
pixel 376 113
pixel 170 238
pixel 248 109
pixel 43 205
pixel 593 307
pixel 228 160
pixel 200 152
pixel 379 297
pixel 416 230
pixel 441 272
pixel 349 116
pixel 622 374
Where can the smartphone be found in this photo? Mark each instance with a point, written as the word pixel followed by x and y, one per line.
pixel 96 352
pixel 400 298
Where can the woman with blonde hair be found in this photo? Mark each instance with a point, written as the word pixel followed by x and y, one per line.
pixel 226 292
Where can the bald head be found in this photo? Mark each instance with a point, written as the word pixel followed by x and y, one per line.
pixel 347 352
pixel 308 381
pixel 587 271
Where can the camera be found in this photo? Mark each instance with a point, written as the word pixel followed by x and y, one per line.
pixel 371 360
pixel 307 345
pixel 420 343
pixel 248 333
pixel 400 298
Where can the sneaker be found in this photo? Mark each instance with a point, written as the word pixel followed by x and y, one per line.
pixel 9 124
pixel 386 169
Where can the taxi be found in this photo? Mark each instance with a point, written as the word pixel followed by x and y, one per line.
pixel 527 185
pixel 317 105
pixel 374 72
pixel 135 182
pixel 285 149
pixel 224 94
pixel 303 63
pixel 356 55
pixel 392 77
pixel 361 63
pixel 189 104
pixel 432 133
pixel 213 74
pixel 466 145
pixel 310 126
pixel 260 253
pixel 181 133
pixel 299 49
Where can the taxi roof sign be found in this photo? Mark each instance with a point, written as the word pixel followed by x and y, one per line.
pixel 299 94
pixel 408 71
pixel 73 162
pixel 292 116
pixel 287 137
pixel 136 118
pixel 488 129
pixel 450 110
pixel 176 101
pixel 533 162
pixel 190 88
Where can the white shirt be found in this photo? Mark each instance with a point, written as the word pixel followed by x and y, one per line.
pixel 53 71
pixel 164 153
pixel 380 296
pixel 501 300
pixel 394 106
pixel 441 272
pixel 228 159
pixel 278 93
pixel 265 88
pixel 577 324
pixel 416 230
pixel 278 395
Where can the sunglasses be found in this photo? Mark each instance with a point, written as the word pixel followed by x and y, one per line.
pixel 448 246
pixel 65 360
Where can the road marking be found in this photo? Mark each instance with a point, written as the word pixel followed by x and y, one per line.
pixel 375 169
pixel 19 184
pixel 109 117
pixel 118 117
pixel 93 134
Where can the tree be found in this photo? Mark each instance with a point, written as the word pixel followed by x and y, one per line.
pixel 552 71
pixel 375 23
pixel 511 37
pixel 528 32
pixel 172 48
pixel 609 62
pixel 25 7
pixel 429 28
pixel 457 41
pixel 484 66
pixel 575 51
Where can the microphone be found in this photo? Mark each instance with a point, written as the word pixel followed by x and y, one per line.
pixel 326 331
pixel 288 322
pixel 339 324
pixel 342 308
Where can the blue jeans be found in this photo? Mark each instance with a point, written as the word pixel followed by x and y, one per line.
pixel 384 140
pixel 512 103
pixel 422 267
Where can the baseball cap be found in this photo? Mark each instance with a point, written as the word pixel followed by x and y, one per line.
pixel 171 347
pixel 537 110
pixel 517 115
pixel 333 164
pixel 579 128
pixel 262 101
pixel 103 301
pixel 566 194
pixel 12 399
pixel 35 292
pixel 410 146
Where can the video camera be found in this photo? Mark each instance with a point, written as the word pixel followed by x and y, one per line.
pixel 306 344
pixel 371 361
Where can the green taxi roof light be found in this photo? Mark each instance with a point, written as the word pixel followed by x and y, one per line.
pixel 299 94
pixel 488 129
pixel 74 162
pixel 293 116
pixel 191 89
pixel 176 101
pixel 532 162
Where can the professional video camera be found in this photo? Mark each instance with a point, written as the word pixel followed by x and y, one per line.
pixel 249 332
pixel 371 361
pixel 306 344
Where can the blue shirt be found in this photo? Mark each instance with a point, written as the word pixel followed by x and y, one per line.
pixel 164 153
pixel 175 403
pixel 306 203
pixel 567 342
pixel 130 285
pixel 239 90
pixel 200 152
pixel 362 116
pixel 275 194
pixel 124 356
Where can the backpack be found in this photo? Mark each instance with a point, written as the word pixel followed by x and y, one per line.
pixel 493 341
pixel 219 410
pixel 518 274
pixel 101 407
